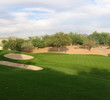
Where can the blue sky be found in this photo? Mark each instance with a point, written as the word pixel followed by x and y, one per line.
pixel 24 18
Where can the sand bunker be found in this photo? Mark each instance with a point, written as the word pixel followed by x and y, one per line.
pixel 18 56
pixel 31 67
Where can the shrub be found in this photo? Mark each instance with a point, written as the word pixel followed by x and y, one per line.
pixel 27 46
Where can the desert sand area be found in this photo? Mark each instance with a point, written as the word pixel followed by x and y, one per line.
pixel 101 50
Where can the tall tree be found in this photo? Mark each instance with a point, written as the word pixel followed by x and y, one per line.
pixel 27 46
pixel 76 38
pixel 58 40
pixel 101 38
pixel 13 44
pixel 37 41
pixel 108 40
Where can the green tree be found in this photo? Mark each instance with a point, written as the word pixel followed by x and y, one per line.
pixel 4 41
pixel 104 37
pixel 19 43
pixel 76 38
pixel 37 41
pixel 108 40
pixel 5 45
pixel 13 44
pixel 27 46
pixel 58 40
pixel 46 39
pixel 101 38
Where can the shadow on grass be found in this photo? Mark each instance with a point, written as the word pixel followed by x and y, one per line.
pixel 53 85
pixel 104 73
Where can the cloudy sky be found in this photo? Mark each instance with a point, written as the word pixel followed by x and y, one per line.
pixel 38 17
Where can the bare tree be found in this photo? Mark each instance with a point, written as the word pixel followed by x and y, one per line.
pixel 89 44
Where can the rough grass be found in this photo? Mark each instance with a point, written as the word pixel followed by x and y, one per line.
pixel 65 77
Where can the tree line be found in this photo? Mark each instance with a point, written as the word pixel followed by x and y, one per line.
pixel 59 40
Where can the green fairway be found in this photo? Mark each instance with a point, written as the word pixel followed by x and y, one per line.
pixel 64 77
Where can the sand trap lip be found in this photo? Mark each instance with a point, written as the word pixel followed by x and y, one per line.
pixel 25 66
pixel 17 56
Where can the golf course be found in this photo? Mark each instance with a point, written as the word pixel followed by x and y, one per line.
pixel 64 77
pixel 54 50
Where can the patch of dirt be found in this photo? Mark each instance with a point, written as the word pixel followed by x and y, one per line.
pixel 101 50
pixel 25 66
pixel 18 56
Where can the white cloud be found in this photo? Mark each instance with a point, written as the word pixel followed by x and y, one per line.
pixel 44 3
pixel 102 1
pixel 34 16
pixel 38 9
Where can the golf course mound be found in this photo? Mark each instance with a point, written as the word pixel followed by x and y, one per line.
pixel 16 56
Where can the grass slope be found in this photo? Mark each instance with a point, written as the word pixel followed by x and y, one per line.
pixel 65 77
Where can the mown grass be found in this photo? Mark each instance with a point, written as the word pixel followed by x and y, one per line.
pixel 65 77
